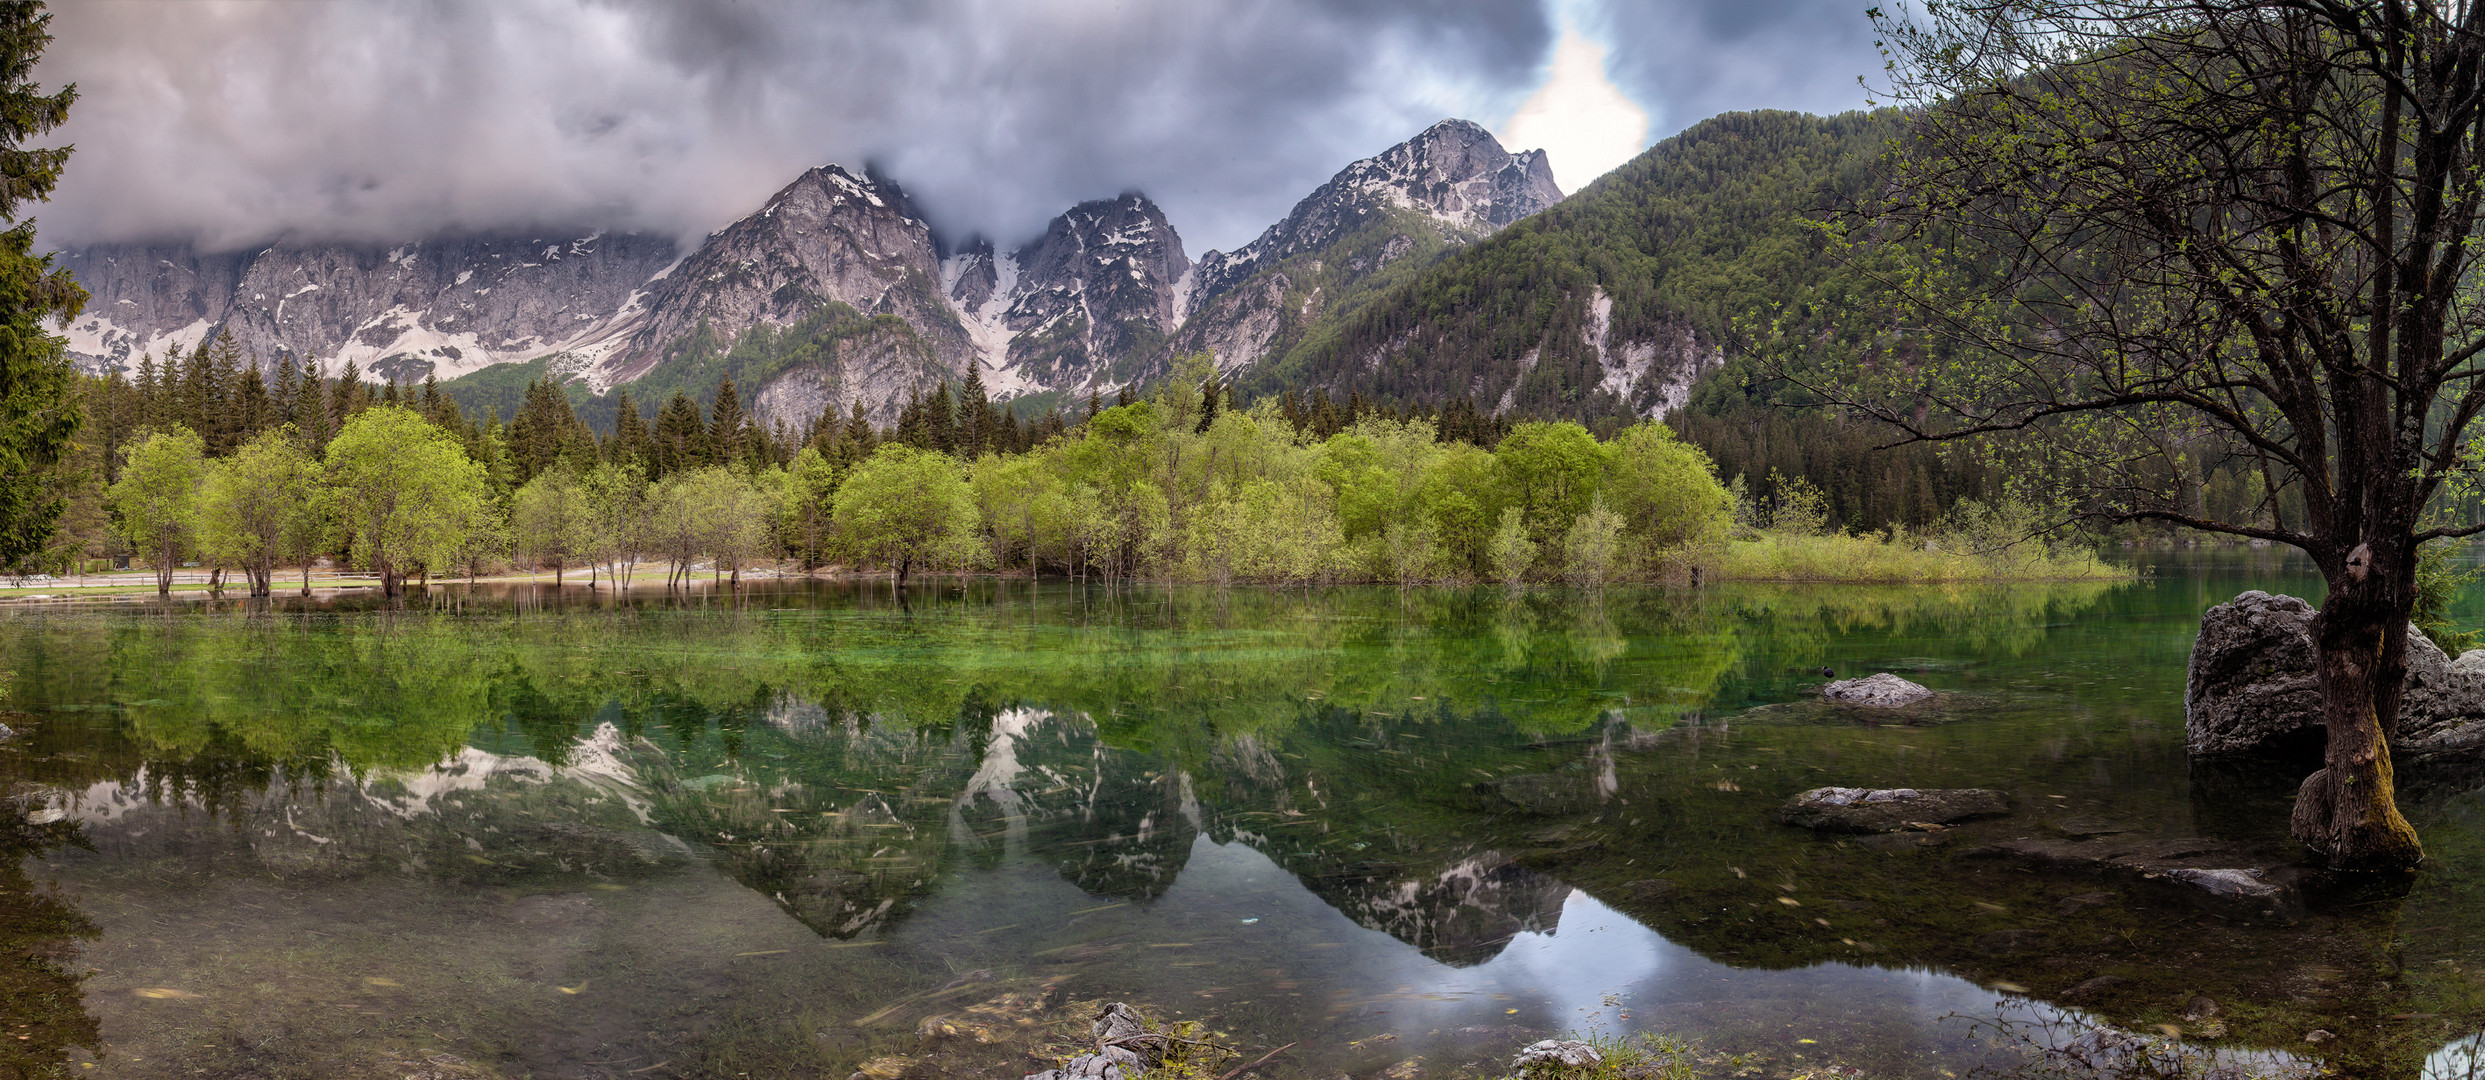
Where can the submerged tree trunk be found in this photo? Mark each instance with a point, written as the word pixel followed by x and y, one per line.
pixel 2348 811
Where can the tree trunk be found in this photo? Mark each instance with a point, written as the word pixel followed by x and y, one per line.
pixel 2348 811
pixel 164 565
pixel 904 563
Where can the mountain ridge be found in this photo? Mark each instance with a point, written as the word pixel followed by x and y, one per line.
pixel 1104 297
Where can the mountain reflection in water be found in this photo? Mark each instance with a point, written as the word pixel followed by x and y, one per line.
pixel 585 836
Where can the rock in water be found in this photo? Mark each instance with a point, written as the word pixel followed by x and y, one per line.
pixel 1556 1056
pixel 1882 810
pixel 6 734
pixel 1125 1048
pixel 1882 691
pixel 2253 683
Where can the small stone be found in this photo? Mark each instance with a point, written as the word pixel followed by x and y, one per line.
pixel 2232 884
pixel 1889 810
pixel 6 734
pixel 2200 1007
pixel 1556 1055
pixel 884 1068
pixel 2317 1035
pixel 1405 1070
pixel 1882 691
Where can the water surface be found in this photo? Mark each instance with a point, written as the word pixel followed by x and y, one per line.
pixel 814 826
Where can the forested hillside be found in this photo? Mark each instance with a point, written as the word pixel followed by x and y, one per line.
pixel 1670 261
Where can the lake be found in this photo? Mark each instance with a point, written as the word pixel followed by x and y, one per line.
pixel 816 828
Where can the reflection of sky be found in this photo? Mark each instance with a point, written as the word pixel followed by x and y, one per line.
pixel 2463 1059
pixel 1560 979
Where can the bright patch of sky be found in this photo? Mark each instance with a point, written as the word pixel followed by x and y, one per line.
pixel 1583 122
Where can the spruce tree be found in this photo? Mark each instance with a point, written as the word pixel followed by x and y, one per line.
pixel 1211 393
pixel 681 440
pixel 940 425
pixel 346 397
pixel 975 426
pixel 728 442
pixel 629 445
pixel 280 400
pixel 39 411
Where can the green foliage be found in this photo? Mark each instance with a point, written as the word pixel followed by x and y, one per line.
pixel 261 504
pixel 552 519
pixel 405 492
pixel 156 499
pixel 39 410
pixel 905 506
pixel 1513 554
pixel 2439 580
pixel 1702 230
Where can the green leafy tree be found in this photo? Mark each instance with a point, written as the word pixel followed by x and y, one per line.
pixel 39 410
pixel 808 505
pixel 616 500
pixel 405 490
pixel 1550 473
pixel 257 503
pixel 904 506
pixel 551 520
pixel 157 499
pixel 1592 550
pixel 1511 549
pixel 1664 489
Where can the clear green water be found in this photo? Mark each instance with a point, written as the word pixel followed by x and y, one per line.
pixel 495 834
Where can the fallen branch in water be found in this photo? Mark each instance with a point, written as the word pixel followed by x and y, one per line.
pixel 1238 1070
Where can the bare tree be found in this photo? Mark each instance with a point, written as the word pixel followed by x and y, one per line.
pixel 2148 236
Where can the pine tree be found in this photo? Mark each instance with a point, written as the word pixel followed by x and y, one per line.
pixel 681 439
pixel 629 445
pixel 1211 397
pixel 149 386
pixel 940 426
pixel 347 397
pixel 39 414
pixel 251 407
pixel 975 426
pixel 431 397
pixel 280 402
pixel 727 441
pixel 857 441
pixel 311 406
pixel 1095 404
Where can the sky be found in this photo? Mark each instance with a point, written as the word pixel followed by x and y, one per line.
pixel 234 123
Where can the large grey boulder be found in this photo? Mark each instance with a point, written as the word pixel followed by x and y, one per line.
pixel 1885 810
pixel 2253 683
pixel 1882 691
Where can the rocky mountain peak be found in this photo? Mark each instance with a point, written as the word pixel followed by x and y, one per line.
pixel 1454 172
pixel 1099 284
pixel 827 236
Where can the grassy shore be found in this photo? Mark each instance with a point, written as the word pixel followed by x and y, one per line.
pixel 1836 558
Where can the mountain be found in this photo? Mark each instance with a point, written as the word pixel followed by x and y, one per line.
pixel 448 306
pixel 1615 302
pixel 834 290
pixel 1373 224
pixel 1101 284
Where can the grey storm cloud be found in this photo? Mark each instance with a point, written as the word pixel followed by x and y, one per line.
pixel 235 123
